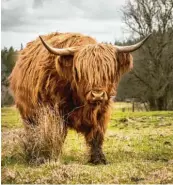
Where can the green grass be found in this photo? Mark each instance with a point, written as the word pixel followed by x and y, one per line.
pixel 10 118
pixel 138 147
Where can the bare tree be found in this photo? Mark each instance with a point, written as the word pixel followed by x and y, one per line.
pixel 153 66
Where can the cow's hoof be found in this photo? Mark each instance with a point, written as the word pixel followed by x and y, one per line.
pixel 96 161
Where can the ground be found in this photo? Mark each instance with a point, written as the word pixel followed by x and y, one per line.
pixel 138 147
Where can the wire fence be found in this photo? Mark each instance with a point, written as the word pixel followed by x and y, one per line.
pixel 130 106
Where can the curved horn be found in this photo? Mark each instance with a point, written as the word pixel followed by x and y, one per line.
pixel 131 48
pixel 59 51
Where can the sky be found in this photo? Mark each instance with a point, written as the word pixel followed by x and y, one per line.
pixel 24 20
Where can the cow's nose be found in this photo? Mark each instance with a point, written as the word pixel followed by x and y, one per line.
pixel 98 95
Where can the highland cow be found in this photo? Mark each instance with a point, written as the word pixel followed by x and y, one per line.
pixel 76 73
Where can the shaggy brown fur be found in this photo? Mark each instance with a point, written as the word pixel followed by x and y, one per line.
pixel 41 78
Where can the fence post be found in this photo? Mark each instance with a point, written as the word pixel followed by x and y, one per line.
pixel 133 106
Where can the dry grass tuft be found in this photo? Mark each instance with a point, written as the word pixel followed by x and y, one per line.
pixel 44 141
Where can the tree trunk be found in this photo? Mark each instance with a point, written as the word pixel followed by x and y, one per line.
pixel 158 104
pixel 162 103
pixel 152 104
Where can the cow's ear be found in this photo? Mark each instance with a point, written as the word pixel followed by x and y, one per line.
pixel 124 58
pixel 66 61
pixel 64 65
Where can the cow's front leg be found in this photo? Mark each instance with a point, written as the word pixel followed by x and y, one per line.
pixel 95 141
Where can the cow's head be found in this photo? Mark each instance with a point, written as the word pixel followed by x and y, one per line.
pixel 94 70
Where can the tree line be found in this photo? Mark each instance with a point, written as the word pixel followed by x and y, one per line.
pixel 8 59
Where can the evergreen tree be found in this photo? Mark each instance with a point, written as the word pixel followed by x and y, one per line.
pixel 8 59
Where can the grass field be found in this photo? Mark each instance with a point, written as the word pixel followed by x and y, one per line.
pixel 138 147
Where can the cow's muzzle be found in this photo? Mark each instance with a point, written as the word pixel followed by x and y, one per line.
pixel 96 96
